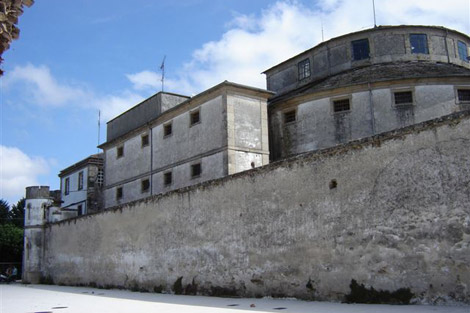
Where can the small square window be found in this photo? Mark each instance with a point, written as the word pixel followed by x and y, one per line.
pixel 167 129
pixel 463 95
pixel 120 152
pixel 119 193
pixel 304 69
pixel 341 105
pixel 463 51
pixel 80 180
pixel 196 170
pixel 145 140
pixel 168 178
pixel 194 118
pixel 67 186
pixel 403 97
pixel 145 185
pixel 289 117
pixel 419 43
pixel 360 49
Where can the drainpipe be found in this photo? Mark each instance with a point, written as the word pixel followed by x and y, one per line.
pixel 151 158
pixel 447 48
pixel 371 108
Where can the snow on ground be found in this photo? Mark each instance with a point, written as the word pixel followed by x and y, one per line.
pixel 17 298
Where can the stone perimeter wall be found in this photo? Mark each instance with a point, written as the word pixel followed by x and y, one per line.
pixel 390 212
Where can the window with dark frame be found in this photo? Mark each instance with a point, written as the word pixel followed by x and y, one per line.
pixel 194 118
pixel 360 49
pixel 341 105
pixel 120 152
pixel 145 185
pixel 145 140
pixel 290 117
pixel 304 69
pixel 463 95
pixel 167 129
pixel 80 180
pixel 168 178
pixel 403 97
pixel 463 51
pixel 419 43
pixel 119 193
pixel 67 186
pixel 196 170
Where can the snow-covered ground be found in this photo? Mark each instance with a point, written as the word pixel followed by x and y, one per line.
pixel 17 298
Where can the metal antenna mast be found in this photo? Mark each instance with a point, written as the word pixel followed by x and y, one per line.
pixel 99 128
pixel 373 8
pixel 162 68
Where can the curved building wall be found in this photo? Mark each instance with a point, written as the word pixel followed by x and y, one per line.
pixel 386 44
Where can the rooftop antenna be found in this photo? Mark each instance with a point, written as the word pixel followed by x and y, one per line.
pixel 373 8
pixel 99 128
pixel 322 37
pixel 162 68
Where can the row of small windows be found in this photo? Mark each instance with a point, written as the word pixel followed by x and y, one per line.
pixel 400 98
pixel 361 51
pixel 196 171
pixel 194 118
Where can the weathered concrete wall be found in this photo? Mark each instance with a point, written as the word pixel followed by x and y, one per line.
pixel 372 112
pixel 391 212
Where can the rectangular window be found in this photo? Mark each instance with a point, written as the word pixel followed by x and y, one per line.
pixel 196 170
pixel 419 43
pixel 80 210
pixel 120 152
pixel 463 95
pixel 360 49
pixel 289 117
pixel 194 117
pixel 403 97
pixel 304 69
pixel 167 129
pixel 119 193
pixel 145 185
pixel 144 140
pixel 67 186
pixel 341 105
pixel 463 51
pixel 167 178
pixel 80 180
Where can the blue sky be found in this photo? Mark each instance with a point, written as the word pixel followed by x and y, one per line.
pixel 74 58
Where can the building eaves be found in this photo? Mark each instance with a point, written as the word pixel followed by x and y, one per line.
pixel 188 102
pixel 378 73
pixel 95 159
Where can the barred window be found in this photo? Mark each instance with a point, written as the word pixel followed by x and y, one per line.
pixel 167 129
pixel 304 69
pixel 341 105
pixel 194 118
pixel 403 97
pixel 145 140
pixel 119 193
pixel 167 178
pixel 289 117
pixel 360 49
pixel 463 95
pixel 120 152
pixel 145 185
pixel 196 170
pixel 419 43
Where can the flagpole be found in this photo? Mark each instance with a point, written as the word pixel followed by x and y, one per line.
pixel 162 68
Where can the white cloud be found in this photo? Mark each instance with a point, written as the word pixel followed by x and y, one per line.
pixel 18 171
pixel 254 43
pixel 44 88
pixel 39 87
pixel 145 80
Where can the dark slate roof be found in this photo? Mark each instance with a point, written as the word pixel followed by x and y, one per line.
pixel 378 73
